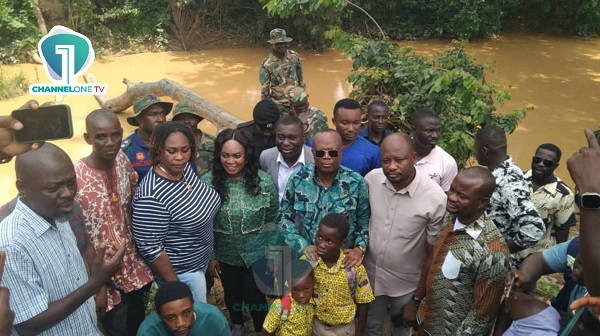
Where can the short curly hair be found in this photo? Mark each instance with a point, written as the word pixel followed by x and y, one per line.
pixel 162 132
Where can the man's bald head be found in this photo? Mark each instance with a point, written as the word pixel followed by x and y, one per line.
pixel 329 135
pixel 492 137
pixel 404 139
pixel 484 181
pixel 97 116
pixel 46 181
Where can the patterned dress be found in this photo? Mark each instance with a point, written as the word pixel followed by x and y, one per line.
pixel 276 74
pixel 105 200
pixel 466 279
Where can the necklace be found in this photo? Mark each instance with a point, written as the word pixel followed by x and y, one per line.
pixel 183 180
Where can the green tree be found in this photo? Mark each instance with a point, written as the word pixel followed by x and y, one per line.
pixel 450 82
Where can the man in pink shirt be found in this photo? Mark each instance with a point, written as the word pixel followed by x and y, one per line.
pixel 432 160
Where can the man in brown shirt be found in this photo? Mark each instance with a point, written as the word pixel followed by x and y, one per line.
pixel 407 209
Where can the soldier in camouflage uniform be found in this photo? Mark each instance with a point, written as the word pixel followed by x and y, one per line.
pixel 186 114
pixel 314 120
pixel 280 69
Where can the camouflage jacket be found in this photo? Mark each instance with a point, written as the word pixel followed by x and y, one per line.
pixel 314 120
pixel 206 148
pixel 276 75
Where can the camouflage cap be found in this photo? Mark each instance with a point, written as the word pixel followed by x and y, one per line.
pixel 278 35
pixel 184 107
pixel 297 96
pixel 142 103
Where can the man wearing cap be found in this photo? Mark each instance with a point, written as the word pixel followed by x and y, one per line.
pixel 177 314
pixel 185 113
pixel 262 128
pixel 149 111
pixel 313 119
pixel 280 69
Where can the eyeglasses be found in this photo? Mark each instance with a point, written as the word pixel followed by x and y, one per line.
pixel 547 163
pixel 332 153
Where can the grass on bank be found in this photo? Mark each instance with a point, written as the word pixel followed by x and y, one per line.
pixel 12 86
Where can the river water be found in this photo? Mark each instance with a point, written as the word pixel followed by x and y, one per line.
pixel 559 76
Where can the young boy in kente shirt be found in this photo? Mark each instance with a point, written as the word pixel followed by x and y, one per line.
pixel 342 291
pixel 293 317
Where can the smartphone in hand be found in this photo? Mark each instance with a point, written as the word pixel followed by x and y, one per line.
pixel 51 122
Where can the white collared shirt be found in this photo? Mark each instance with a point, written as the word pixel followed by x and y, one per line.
pixel 286 171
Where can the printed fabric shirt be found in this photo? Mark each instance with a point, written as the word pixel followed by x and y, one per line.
pixel 555 203
pixel 299 322
pixel 511 207
pixel 306 202
pixel 105 200
pixel 466 279
pixel 208 318
pixel 43 265
pixel 335 304
pixel 206 150
pixel 276 74
pixel 242 216
pixel 314 120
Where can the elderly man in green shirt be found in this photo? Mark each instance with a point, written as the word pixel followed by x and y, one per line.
pixel 321 188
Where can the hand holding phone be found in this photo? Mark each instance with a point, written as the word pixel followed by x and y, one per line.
pixel 51 122
pixel 8 146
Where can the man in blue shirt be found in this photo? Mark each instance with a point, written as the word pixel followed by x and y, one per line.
pixel 149 111
pixel 377 121
pixel 177 314
pixel 358 154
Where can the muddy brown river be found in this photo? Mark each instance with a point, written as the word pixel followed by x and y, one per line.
pixel 559 76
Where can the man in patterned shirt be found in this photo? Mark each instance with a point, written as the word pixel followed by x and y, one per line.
pixel 185 113
pixel 552 198
pixel 470 261
pixel 323 187
pixel 106 182
pixel 280 69
pixel 510 207
pixel 313 119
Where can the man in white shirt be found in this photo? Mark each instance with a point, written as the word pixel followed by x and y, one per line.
pixel 432 160
pixel 289 155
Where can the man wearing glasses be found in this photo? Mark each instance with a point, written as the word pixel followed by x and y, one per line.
pixel 321 188
pixel 510 207
pixel 552 198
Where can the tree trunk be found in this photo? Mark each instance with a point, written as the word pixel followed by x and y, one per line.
pixel 218 116
pixel 39 17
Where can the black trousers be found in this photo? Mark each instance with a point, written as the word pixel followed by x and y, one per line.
pixel 126 317
pixel 241 293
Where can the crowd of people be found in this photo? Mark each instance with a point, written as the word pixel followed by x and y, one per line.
pixel 369 223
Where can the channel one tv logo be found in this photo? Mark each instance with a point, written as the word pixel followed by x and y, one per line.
pixel 66 54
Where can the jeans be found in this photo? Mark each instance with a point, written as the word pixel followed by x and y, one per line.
pixel 195 280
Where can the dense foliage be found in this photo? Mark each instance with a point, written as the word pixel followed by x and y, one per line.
pixel 136 25
pixel 450 82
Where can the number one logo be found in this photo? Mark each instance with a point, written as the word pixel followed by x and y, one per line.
pixel 67 53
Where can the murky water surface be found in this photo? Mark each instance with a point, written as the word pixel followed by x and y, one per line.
pixel 559 76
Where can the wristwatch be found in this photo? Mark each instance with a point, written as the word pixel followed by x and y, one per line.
pixel 588 200
pixel 416 301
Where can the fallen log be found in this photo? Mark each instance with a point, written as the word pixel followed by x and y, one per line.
pixel 217 115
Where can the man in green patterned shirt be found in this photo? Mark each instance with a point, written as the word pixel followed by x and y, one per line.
pixel 185 113
pixel 313 119
pixel 280 69
pixel 470 261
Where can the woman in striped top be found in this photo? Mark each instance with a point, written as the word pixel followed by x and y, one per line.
pixel 173 211
pixel 250 204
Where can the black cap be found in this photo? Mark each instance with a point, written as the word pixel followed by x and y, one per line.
pixel 266 114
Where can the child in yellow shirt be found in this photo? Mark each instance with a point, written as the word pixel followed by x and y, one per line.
pixel 293 317
pixel 342 291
